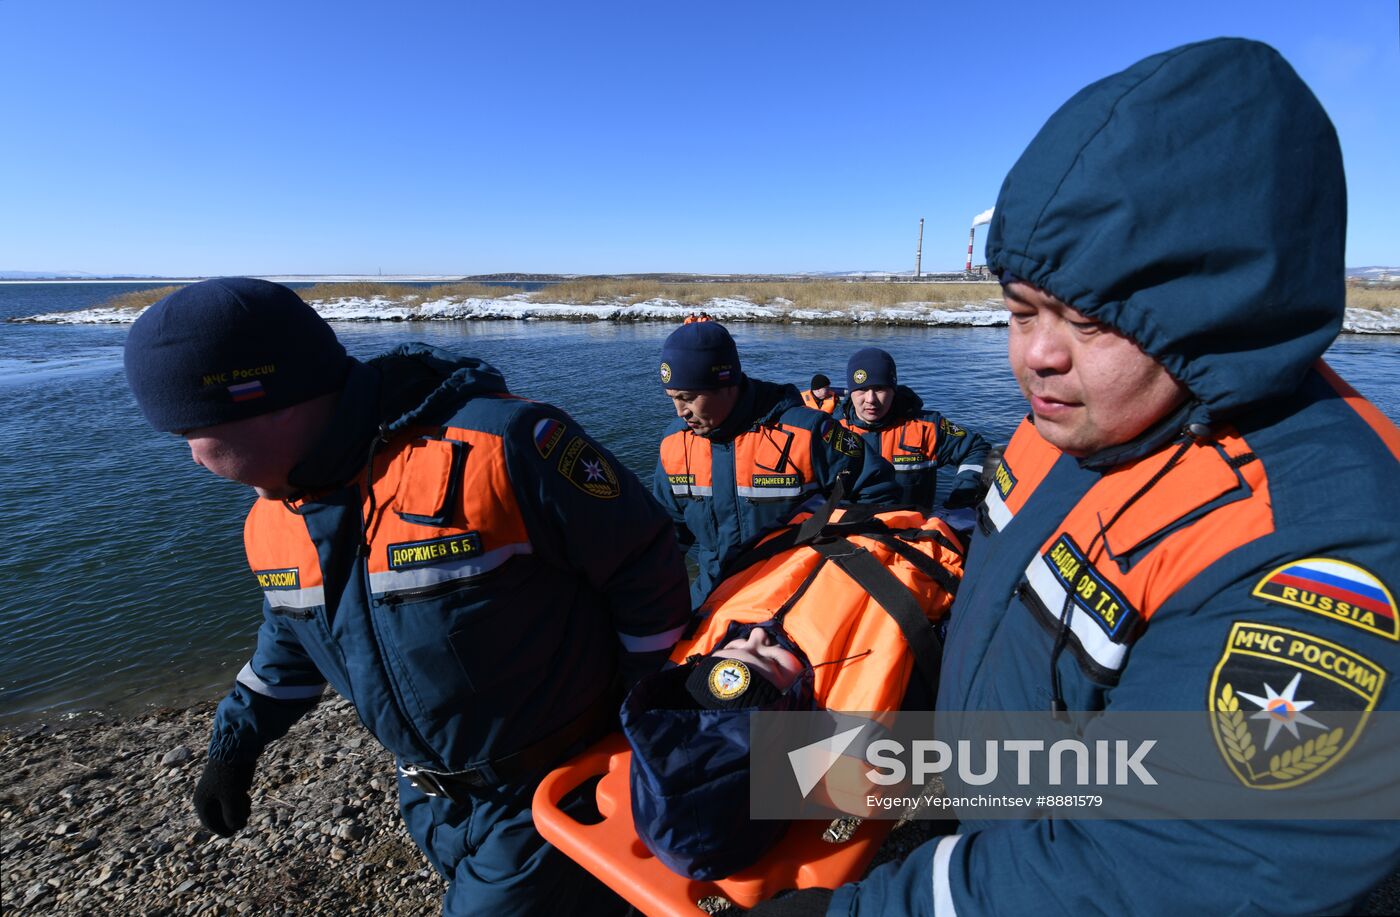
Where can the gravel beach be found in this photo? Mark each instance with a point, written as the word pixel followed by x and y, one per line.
pixel 95 818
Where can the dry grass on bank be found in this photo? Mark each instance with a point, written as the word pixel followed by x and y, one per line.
pixel 814 294
pixel 1379 299
pixel 826 295
pixel 140 299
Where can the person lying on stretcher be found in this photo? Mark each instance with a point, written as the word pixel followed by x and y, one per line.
pixel 817 626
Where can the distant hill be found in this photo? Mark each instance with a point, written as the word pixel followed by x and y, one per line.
pixel 69 275
pixel 1374 272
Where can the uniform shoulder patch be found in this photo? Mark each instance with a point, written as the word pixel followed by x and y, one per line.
pixel 847 443
pixel 1265 685
pixel 1334 589
pixel 586 469
pixel 949 428
pixel 547 434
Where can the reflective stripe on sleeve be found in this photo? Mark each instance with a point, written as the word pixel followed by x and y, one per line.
pixel 913 466
pixel 942 890
pixel 1090 635
pixel 997 510
pixel 777 492
pixel 296 598
pixel 662 641
pixel 249 679
pixel 422 577
pixel 692 490
pixel 976 468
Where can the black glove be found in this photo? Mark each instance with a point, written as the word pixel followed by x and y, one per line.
pixel 805 902
pixel 221 797
pixel 966 493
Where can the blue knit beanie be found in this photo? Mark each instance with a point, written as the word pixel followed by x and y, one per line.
pixel 869 368
pixel 699 357
pixel 224 350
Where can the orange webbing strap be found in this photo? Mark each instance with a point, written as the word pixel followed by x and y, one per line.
pixel 612 851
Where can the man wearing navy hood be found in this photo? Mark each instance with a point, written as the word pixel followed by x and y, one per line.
pixel 468 568
pixel 743 455
pixel 1171 249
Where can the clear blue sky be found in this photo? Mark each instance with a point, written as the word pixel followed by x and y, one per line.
pixel 201 138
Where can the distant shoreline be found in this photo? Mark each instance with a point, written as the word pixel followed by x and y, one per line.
pixel 632 299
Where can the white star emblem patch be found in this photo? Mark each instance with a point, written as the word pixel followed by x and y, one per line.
pixel 1281 710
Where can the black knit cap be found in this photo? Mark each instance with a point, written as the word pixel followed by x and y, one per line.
pixel 717 683
pixel 870 367
pixel 229 349
pixel 699 357
pixel 820 381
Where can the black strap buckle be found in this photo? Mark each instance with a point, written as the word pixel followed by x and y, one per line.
pixel 444 786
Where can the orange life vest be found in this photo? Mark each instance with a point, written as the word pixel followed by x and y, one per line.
pixel 832 616
pixel 826 405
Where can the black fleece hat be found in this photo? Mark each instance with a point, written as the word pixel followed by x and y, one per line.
pixel 225 350
pixel 717 683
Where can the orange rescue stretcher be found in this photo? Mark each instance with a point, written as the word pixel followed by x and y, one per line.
pixel 611 850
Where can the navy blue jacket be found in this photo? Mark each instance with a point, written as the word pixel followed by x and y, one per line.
pixel 918 443
pixel 483 594
pixel 1194 202
pixel 769 457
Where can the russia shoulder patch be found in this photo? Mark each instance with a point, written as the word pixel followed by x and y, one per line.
pixel 587 470
pixel 1334 589
pixel 548 432
pixel 1285 705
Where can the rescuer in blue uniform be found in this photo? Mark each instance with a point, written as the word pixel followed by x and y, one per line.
pixel 1171 247
pixel 743 455
pixel 468 568
pixel 891 419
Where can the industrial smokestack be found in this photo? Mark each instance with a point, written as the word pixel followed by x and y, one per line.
pixel 984 217
pixel 919 252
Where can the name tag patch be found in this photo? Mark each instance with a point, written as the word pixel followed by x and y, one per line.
pixel 409 554
pixel 776 480
pixel 1091 591
pixel 1004 479
pixel 288 578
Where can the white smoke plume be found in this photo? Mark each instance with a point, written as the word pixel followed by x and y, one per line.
pixel 984 217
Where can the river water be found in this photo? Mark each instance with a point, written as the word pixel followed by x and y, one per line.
pixel 123 559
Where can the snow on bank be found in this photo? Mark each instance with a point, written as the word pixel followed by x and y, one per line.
pixel 519 307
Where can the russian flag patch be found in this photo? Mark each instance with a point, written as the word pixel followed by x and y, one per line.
pixel 1334 589
pixel 548 432
pixel 247 391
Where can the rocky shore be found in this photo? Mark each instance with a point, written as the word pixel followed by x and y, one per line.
pixel 95 818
